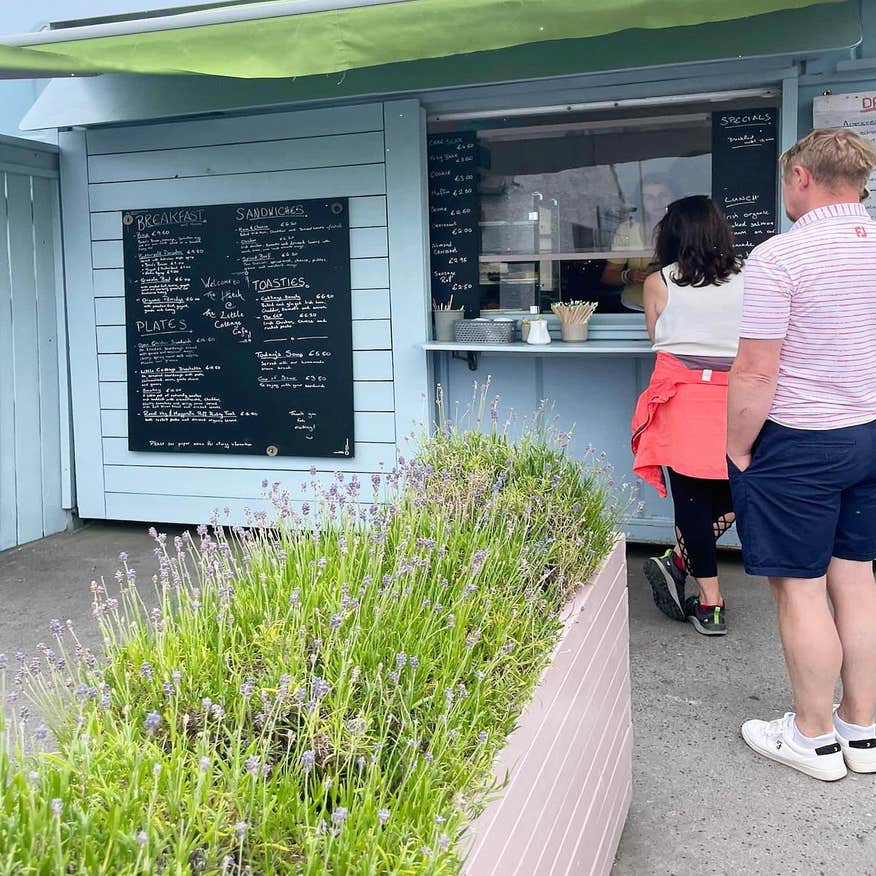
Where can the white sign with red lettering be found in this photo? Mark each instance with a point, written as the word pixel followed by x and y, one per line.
pixel 855 111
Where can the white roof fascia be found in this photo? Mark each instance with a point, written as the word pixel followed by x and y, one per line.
pixel 200 18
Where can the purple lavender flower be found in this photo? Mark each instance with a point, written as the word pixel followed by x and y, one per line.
pixel 3 661
pixel 336 621
pixel 339 816
pixel 153 722
pixel 176 675
pixel 41 733
pixel 142 838
pixel 413 662
pixel 295 599
pixel 383 816
pixel 217 711
pixel 169 689
pixel 308 759
pixel 401 660
pixel 57 807
pixel 443 842
pixel 477 561
pixel 360 762
pixel 247 688
pixel 240 829
pixel 56 628
pixel 146 671
pixel 204 764
pixel 253 765
pixel 34 778
pixel 320 688
pixel 482 737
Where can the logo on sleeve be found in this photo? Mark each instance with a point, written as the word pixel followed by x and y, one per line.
pixel 860 231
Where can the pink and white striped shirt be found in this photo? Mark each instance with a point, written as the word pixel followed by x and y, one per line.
pixel 815 287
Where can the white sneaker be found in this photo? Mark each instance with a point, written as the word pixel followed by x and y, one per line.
pixel 775 740
pixel 860 754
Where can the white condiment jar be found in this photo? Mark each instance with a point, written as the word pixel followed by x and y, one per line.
pixel 538 332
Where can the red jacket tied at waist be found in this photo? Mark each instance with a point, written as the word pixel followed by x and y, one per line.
pixel 681 423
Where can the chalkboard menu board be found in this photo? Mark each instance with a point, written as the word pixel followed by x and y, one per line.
pixel 454 219
pixel 744 176
pixel 239 332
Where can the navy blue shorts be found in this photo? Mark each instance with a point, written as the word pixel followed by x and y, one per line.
pixel 807 497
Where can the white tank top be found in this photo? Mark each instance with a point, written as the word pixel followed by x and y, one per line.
pixel 700 320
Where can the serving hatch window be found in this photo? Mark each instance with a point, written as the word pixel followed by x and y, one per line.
pixel 566 207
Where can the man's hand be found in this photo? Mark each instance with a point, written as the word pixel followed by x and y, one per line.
pixel 752 389
pixel 742 462
pixel 638 277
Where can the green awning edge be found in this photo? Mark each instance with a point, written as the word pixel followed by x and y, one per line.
pixel 364 37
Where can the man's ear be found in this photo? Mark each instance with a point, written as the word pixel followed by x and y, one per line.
pixel 801 176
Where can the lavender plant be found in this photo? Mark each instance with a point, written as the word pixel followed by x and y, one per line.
pixel 324 694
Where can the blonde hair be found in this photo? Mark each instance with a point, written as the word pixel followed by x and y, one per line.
pixel 835 157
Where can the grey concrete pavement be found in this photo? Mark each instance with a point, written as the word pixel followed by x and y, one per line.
pixel 702 801
pixel 51 578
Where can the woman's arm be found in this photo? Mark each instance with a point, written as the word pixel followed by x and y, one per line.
pixel 617 274
pixel 611 274
pixel 656 295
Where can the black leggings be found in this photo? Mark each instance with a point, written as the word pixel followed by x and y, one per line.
pixel 703 513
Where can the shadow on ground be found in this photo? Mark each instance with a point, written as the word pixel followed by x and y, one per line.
pixel 702 801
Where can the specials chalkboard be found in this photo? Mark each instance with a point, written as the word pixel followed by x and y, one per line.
pixel 454 220
pixel 744 175
pixel 239 332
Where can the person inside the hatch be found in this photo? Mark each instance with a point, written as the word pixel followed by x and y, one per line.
pixel 636 234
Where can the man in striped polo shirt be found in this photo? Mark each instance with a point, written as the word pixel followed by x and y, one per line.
pixel 801 446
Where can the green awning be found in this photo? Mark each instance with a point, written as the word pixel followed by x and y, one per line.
pixel 338 40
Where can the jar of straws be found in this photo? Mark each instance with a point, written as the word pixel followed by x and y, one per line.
pixel 573 317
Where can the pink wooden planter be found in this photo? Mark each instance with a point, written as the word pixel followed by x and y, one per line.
pixel 569 761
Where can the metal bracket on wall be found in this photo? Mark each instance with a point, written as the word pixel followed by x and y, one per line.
pixel 470 355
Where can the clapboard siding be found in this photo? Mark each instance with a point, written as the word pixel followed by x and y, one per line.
pixel 154 508
pixel 231 483
pixel 570 758
pixel 369 458
pixel 299 154
pixel 367 304
pixel 323 153
pixel 323 182
pixel 31 348
pixel 252 129
pixel 176 508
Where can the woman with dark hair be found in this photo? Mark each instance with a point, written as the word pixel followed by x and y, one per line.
pixel 693 310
